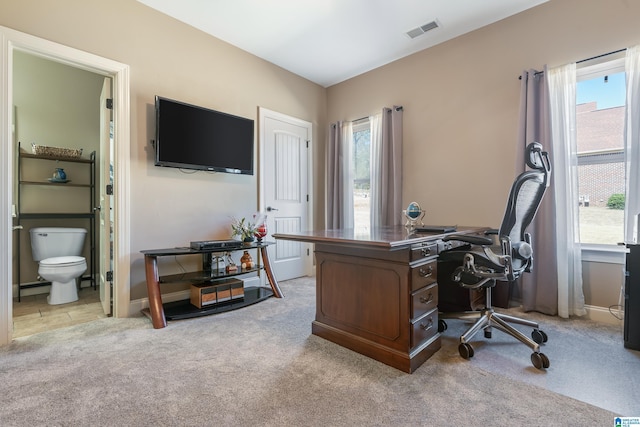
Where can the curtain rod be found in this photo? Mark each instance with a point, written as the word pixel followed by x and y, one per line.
pixel 600 56
pixel 398 108
pixel 585 60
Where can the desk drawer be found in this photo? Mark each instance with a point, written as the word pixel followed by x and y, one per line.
pixel 424 275
pixel 424 328
pixel 424 300
pixel 424 250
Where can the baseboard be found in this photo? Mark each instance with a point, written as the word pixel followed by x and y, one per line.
pixel 43 289
pixel 136 306
pixel 603 315
pixel 597 314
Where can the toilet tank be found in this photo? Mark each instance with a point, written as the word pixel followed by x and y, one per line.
pixel 48 242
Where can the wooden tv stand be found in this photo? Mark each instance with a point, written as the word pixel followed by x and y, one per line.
pixel 160 312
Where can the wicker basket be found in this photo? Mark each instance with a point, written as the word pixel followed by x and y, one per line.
pixel 62 153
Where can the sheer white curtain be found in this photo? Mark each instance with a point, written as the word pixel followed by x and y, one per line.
pixel 632 138
pixel 562 105
pixel 339 176
pixel 375 163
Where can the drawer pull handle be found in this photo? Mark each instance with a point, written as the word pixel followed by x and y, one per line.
pixel 425 272
pixel 426 251
pixel 428 325
pixel 427 300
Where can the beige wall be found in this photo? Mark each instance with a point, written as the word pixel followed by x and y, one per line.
pixel 602 284
pixel 461 102
pixel 461 105
pixel 170 208
pixel 54 105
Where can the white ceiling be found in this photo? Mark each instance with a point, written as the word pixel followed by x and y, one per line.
pixel 329 41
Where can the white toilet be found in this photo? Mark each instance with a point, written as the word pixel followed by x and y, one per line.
pixel 58 251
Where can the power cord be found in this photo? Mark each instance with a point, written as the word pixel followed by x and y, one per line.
pixel 617 316
pixel 179 265
pixel 619 306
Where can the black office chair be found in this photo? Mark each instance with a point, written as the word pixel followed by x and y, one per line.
pixel 504 257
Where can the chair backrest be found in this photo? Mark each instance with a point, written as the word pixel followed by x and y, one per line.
pixel 526 195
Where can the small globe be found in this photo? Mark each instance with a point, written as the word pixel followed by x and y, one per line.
pixel 413 210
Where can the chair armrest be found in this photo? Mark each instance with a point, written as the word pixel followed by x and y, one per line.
pixel 469 238
pixel 491 232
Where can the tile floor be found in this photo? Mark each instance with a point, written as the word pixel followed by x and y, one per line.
pixel 33 314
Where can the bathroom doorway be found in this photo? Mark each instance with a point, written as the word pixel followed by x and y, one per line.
pixel 14 42
pixel 60 105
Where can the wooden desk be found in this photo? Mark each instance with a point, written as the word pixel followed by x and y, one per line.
pixel 156 308
pixel 377 293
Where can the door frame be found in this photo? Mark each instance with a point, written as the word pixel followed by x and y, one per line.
pixel 103 242
pixel 264 113
pixel 10 41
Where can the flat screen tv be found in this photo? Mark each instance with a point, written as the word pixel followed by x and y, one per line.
pixel 192 137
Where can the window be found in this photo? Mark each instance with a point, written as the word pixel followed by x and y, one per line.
pixel 600 113
pixel 362 175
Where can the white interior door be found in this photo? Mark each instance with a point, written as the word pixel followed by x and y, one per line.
pixel 284 189
pixel 105 221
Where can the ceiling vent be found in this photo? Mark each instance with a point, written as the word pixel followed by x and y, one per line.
pixel 422 29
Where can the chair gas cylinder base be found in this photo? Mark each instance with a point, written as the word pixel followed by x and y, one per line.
pixel 504 256
pixel 488 318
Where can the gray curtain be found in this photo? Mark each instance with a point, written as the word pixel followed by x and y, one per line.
pixel 538 289
pixel 387 173
pixel 339 213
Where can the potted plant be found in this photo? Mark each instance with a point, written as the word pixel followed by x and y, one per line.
pixel 244 229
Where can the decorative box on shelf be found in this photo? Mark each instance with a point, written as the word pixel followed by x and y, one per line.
pixel 207 294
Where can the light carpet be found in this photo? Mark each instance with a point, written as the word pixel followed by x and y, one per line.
pixel 261 366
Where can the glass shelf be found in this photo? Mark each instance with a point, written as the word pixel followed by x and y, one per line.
pixel 206 276
pixel 185 310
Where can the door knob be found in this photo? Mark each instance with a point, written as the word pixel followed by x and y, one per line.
pixel 269 209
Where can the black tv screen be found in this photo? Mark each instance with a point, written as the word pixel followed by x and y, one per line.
pixel 192 137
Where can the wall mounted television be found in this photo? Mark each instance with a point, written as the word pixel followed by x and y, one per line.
pixel 192 137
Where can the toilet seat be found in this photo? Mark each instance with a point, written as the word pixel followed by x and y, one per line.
pixel 63 272
pixel 63 261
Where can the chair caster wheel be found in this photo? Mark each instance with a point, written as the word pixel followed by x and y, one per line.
pixel 540 360
pixel 442 325
pixel 465 350
pixel 487 333
pixel 539 336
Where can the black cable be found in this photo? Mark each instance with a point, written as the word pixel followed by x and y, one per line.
pixel 612 313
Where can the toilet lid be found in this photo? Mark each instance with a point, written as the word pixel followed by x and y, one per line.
pixel 63 260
